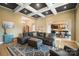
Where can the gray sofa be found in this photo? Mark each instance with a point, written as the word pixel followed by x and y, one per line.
pixel 47 38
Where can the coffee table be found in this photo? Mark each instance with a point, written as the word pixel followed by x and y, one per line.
pixel 35 42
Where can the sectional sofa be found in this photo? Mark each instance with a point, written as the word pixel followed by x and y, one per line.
pixel 47 38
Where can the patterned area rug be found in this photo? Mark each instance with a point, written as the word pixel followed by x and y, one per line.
pixel 25 50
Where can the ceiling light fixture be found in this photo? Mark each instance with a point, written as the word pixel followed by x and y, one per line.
pixel 46 12
pixel 25 11
pixel 37 4
pixel 65 7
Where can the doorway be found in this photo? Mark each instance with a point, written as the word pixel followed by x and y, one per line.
pixel 25 30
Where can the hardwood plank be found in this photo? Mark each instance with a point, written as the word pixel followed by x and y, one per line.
pixel 4 51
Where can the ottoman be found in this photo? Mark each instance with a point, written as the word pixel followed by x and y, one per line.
pixel 35 42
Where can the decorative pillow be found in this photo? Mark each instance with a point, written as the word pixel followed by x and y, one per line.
pixel 47 35
pixel 34 34
pixel 41 34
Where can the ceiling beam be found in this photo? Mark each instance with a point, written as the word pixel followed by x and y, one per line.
pixel 20 7
pixel 43 9
pixel 30 14
pixel 59 4
pixel 26 5
pixel 52 8
pixel 34 10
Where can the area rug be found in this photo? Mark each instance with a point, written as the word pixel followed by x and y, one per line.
pixel 25 50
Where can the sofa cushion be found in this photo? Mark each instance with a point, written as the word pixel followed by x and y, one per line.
pixel 47 35
pixel 34 34
pixel 30 33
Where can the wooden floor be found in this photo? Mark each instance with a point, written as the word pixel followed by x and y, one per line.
pixel 60 44
pixel 3 50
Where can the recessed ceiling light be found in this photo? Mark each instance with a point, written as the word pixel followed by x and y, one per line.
pixel 38 5
pixel 46 12
pixel 25 11
pixel 65 7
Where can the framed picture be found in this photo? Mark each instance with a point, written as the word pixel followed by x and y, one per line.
pixel 8 24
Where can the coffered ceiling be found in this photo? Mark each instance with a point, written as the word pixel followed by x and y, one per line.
pixel 48 12
pixel 38 10
pixel 65 7
pixel 38 6
pixel 25 11
pixel 9 5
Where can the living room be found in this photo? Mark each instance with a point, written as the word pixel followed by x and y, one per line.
pixel 39 27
